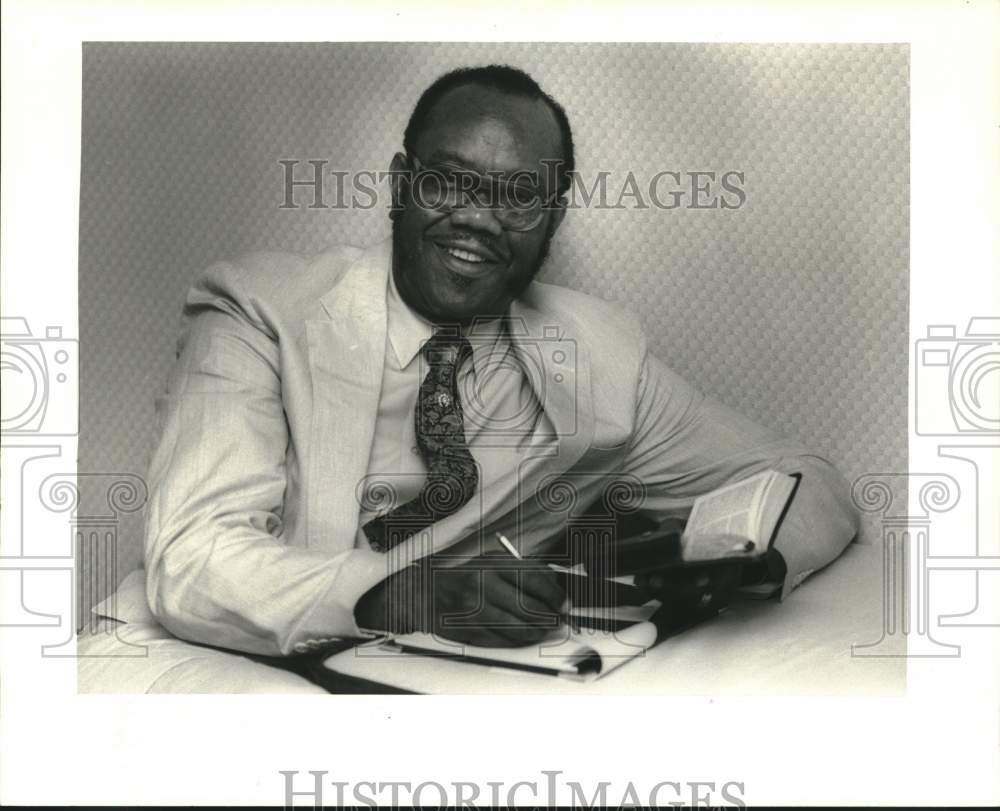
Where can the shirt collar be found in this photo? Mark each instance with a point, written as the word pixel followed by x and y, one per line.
pixel 408 331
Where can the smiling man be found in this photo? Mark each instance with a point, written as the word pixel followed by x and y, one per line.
pixel 458 262
pixel 345 436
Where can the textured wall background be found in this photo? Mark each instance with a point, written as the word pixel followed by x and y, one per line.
pixel 792 308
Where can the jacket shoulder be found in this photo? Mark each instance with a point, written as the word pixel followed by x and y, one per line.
pixel 595 319
pixel 615 346
pixel 270 282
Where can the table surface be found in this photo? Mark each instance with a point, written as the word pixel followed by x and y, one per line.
pixel 802 646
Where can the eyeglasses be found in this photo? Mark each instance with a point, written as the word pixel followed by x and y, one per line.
pixel 447 186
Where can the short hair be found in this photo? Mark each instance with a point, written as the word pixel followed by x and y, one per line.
pixel 505 79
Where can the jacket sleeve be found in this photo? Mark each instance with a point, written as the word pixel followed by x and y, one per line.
pixel 218 569
pixel 686 444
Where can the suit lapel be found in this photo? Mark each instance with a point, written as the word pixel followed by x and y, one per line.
pixel 558 367
pixel 346 356
pixel 558 364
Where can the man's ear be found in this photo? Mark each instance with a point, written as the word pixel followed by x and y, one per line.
pixel 398 173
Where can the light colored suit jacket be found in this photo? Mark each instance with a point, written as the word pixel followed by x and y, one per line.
pixel 268 419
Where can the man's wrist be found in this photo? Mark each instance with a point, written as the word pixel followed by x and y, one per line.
pixel 770 568
pixel 370 611
pixel 396 604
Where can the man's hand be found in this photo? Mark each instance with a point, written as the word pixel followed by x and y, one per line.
pixel 712 582
pixel 489 600
pixel 691 587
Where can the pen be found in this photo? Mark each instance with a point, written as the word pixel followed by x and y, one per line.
pixel 508 545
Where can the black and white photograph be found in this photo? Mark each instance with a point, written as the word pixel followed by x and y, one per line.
pixel 543 378
pixel 506 365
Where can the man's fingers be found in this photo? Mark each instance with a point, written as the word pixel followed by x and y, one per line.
pixel 509 595
pixel 502 605
pixel 539 582
pixel 497 623
pixel 674 579
pixel 475 632
pixel 535 611
pixel 515 627
pixel 690 585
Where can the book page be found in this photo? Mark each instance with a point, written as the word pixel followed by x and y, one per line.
pixel 730 510
pixel 723 521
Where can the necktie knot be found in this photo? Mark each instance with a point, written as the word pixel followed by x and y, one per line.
pixel 446 347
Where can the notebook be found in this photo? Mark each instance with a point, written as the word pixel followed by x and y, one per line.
pixel 578 653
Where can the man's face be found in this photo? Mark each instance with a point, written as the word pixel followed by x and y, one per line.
pixel 483 131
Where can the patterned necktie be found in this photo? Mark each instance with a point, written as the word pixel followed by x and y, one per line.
pixel 452 475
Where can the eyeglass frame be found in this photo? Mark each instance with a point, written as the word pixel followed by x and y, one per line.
pixel 545 204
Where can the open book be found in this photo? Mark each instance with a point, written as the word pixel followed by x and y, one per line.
pixel 739 519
